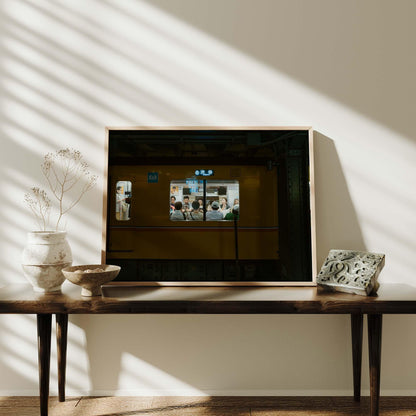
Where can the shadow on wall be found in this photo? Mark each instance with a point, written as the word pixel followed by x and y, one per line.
pixel 163 356
pixel 337 224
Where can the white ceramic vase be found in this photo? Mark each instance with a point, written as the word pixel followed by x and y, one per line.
pixel 44 257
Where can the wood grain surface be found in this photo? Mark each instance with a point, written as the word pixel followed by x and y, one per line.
pixel 207 300
pixel 357 321
pixel 213 406
pixel 44 322
pixel 61 347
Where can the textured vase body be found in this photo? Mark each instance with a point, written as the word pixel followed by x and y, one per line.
pixel 44 257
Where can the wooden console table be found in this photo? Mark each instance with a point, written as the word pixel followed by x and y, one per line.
pixel 391 299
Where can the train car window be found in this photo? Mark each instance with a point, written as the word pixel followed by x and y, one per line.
pixel 187 200
pixel 204 200
pixel 123 200
pixel 226 196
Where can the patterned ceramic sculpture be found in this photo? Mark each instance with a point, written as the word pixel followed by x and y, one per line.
pixel 351 271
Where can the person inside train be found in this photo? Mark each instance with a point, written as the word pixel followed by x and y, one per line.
pixel 235 213
pixel 186 207
pixel 178 214
pixel 172 203
pixel 201 204
pixel 186 203
pixel 196 213
pixel 224 207
pixel 121 209
pixel 215 214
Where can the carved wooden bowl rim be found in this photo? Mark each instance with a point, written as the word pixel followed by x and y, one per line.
pixel 82 278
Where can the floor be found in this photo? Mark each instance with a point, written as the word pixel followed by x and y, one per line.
pixel 207 406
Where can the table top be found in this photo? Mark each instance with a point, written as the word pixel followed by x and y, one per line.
pixel 391 298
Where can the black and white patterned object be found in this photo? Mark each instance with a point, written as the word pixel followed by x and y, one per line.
pixel 351 271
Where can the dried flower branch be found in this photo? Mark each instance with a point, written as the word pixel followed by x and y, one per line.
pixel 39 203
pixel 64 171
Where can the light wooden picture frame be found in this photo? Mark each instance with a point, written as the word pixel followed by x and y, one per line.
pixel 141 234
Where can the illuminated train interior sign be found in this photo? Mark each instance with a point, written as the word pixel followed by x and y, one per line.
pixel 204 172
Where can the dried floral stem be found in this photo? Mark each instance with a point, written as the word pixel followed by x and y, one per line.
pixel 63 171
pixel 39 203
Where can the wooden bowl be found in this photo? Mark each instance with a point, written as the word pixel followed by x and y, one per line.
pixel 91 276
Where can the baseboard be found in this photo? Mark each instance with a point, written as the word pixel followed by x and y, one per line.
pixel 190 393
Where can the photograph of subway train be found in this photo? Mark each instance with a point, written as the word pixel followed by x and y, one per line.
pixel 200 206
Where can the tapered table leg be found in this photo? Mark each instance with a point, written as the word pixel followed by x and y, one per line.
pixel 61 342
pixel 374 346
pixel 44 358
pixel 357 351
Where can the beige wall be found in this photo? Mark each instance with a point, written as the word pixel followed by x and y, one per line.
pixel 67 69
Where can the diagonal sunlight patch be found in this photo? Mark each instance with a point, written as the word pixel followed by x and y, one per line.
pixel 22 356
pixel 150 380
pixel 111 68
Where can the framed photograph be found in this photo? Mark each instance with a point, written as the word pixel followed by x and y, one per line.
pixel 240 212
